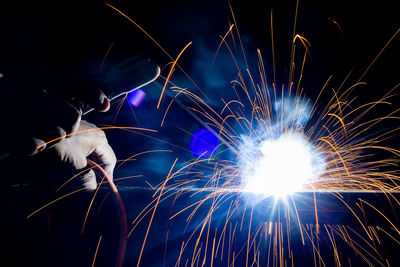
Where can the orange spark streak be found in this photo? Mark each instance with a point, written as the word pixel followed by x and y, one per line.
pixel 154 211
pixel 97 249
pixel 379 54
pixel 96 129
pixel 337 24
pixel 340 120
pixel 220 44
pixel 170 73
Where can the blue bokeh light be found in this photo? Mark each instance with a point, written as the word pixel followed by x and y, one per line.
pixel 203 143
pixel 136 97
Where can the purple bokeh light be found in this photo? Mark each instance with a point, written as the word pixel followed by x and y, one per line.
pixel 204 143
pixel 136 97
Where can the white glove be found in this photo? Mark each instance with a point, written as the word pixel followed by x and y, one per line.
pixel 87 142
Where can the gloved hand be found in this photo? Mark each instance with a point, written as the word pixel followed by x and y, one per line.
pixel 87 142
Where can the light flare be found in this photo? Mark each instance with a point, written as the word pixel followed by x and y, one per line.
pixel 281 166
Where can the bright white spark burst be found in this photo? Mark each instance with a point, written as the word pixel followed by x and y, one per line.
pixel 281 166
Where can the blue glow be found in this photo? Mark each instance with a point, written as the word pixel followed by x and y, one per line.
pixel 136 97
pixel 204 143
pixel 278 159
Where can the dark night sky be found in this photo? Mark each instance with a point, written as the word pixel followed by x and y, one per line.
pixel 40 38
